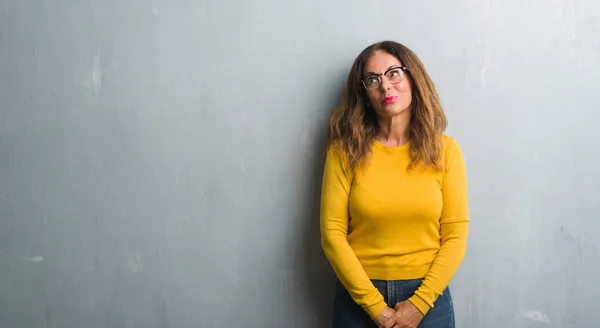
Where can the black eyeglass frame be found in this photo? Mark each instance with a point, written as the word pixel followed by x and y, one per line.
pixel 402 68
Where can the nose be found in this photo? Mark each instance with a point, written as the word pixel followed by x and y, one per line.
pixel 385 84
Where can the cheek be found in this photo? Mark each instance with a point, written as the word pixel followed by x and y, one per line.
pixel 405 91
pixel 373 96
pixel 408 99
pixel 403 87
pixel 405 98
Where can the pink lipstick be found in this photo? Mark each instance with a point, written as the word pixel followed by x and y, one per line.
pixel 389 100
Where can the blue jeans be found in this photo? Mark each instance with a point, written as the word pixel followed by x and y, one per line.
pixel 348 314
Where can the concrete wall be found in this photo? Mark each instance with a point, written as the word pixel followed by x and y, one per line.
pixel 160 160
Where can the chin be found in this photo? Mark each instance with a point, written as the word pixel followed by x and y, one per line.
pixel 394 111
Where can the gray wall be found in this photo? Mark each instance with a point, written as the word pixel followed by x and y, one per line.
pixel 160 160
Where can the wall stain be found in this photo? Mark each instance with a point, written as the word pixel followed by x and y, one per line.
pixel 48 317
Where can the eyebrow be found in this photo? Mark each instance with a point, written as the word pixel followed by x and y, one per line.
pixel 389 68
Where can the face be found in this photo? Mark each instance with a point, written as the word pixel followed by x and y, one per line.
pixel 387 99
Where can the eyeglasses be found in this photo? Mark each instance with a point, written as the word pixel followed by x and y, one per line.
pixel 394 75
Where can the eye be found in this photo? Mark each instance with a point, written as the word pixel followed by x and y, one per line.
pixel 394 72
pixel 371 80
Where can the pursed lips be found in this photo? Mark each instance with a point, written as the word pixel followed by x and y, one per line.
pixel 390 99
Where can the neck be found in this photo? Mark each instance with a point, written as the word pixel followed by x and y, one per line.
pixel 395 130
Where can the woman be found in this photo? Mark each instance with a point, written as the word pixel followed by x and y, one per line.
pixel 394 212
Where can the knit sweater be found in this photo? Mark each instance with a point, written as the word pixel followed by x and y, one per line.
pixel 387 222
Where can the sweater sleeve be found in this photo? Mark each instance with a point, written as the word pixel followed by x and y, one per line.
pixel 335 193
pixel 454 229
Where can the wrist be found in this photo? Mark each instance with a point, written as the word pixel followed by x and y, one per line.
pixel 420 304
pixel 376 309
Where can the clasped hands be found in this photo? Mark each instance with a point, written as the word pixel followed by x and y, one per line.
pixel 404 315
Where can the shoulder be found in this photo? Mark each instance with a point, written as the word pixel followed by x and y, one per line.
pixel 338 156
pixel 335 153
pixel 449 143
pixel 335 150
pixel 452 150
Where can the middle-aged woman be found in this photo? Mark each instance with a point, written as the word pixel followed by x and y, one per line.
pixel 394 209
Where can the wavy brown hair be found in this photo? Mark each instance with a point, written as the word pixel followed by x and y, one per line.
pixel 353 125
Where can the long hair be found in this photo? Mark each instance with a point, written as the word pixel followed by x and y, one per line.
pixel 353 125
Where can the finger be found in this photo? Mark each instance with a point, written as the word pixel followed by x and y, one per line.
pixel 388 324
pixel 397 306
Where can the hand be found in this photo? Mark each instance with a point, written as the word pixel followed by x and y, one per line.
pixel 386 319
pixel 407 315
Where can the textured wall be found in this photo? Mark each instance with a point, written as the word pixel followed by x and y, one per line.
pixel 160 160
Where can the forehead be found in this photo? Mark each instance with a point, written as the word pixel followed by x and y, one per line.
pixel 379 62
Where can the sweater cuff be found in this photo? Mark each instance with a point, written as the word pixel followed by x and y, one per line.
pixel 374 310
pixel 420 304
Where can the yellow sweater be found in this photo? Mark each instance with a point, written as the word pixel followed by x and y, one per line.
pixel 388 223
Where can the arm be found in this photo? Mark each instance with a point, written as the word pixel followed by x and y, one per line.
pixel 454 229
pixel 335 193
